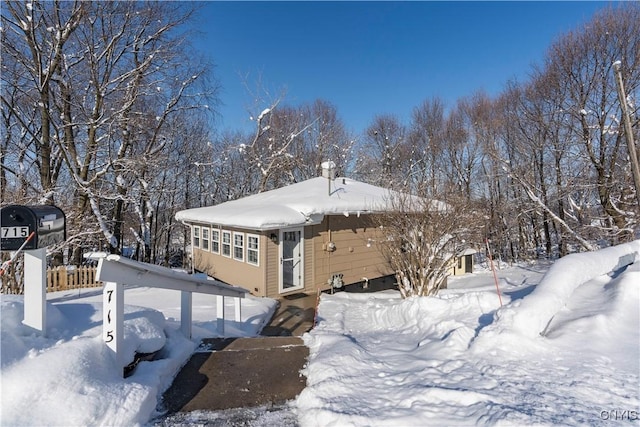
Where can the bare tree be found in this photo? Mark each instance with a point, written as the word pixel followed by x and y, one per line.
pixel 582 62
pixel 34 38
pixel 107 78
pixel 290 143
pixel 468 128
pixel 556 152
pixel 269 152
pixel 384 156
pixel 426 139
pixel 325 139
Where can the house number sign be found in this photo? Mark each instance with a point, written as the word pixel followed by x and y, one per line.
pixel 113 316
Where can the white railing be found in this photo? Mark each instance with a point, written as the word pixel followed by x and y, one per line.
pixel 116 271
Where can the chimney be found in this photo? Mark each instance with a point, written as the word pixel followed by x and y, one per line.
pixel 328 169
pixel 329 172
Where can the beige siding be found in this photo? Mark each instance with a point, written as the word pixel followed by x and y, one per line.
pixel 356 254
pixel 273 259
pixel 309 254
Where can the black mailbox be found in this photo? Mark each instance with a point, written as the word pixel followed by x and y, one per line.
pixel 18 222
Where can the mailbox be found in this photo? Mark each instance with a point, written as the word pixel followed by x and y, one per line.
pixel 18 222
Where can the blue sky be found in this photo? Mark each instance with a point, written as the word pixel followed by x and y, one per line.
pixel 372 58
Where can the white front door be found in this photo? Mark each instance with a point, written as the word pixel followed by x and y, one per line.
pixel 291 256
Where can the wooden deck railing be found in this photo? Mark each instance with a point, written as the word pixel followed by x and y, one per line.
pixel 69 277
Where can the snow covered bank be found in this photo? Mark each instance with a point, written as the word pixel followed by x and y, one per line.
pixel 68 378
pixel 380 360
pixel 532 315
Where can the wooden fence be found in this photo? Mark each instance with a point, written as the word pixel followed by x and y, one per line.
pixel 69 277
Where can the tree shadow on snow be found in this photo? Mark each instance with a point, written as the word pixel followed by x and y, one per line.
pixel 520 293
pixel 487 318
pixel 484 320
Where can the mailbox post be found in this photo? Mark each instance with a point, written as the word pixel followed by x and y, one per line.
pixel 32 229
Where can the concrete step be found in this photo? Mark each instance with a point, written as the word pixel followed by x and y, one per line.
pixel 294 316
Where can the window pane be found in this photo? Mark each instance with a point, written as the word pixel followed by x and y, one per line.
pixel 238 246
pixel 205 238
pixel 226 243
pixel 215 241
pixel 252 249
pixel 252 241
pixel 196 236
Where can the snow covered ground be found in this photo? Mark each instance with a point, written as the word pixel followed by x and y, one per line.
pixel 461 359
pixel 70 379
pixel 455 359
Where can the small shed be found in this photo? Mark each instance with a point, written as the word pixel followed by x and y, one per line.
pixel 298 238
pixel 464 262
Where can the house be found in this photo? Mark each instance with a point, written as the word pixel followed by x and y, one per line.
pixel 298 238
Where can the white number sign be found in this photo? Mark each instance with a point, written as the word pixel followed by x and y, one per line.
pixel 15 232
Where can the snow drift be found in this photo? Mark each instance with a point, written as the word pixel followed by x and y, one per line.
pixel 532 315
pixel 455 359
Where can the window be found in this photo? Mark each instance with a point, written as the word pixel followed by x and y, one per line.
pixel 205 238
pixel 253 249
pixel 238 246
pixel 226 243
pixel 215 241
pixel 196 236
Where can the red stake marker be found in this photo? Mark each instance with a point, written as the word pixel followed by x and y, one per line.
pixel 6 264
pixel 493 268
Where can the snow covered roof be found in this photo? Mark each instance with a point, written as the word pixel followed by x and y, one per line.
pixel 303 203
pixel 468 251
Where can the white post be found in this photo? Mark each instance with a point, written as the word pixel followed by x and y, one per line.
pixel 35 289
pixel 238 309
pixel 113 319
pixel 220 314
pixel 186 316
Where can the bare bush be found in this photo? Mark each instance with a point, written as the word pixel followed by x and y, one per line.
pixel 422 239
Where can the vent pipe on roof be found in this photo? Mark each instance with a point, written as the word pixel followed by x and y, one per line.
pixel 329 172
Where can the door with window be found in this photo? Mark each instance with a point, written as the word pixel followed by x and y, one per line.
pixel 291 256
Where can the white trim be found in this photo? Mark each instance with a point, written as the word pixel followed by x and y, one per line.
pixel 223 244
pixel 235 246
pixel 196 236
pixel 116 271
pixel 205 241
pixel 300 261
pixel 256 249
pixel 215 230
